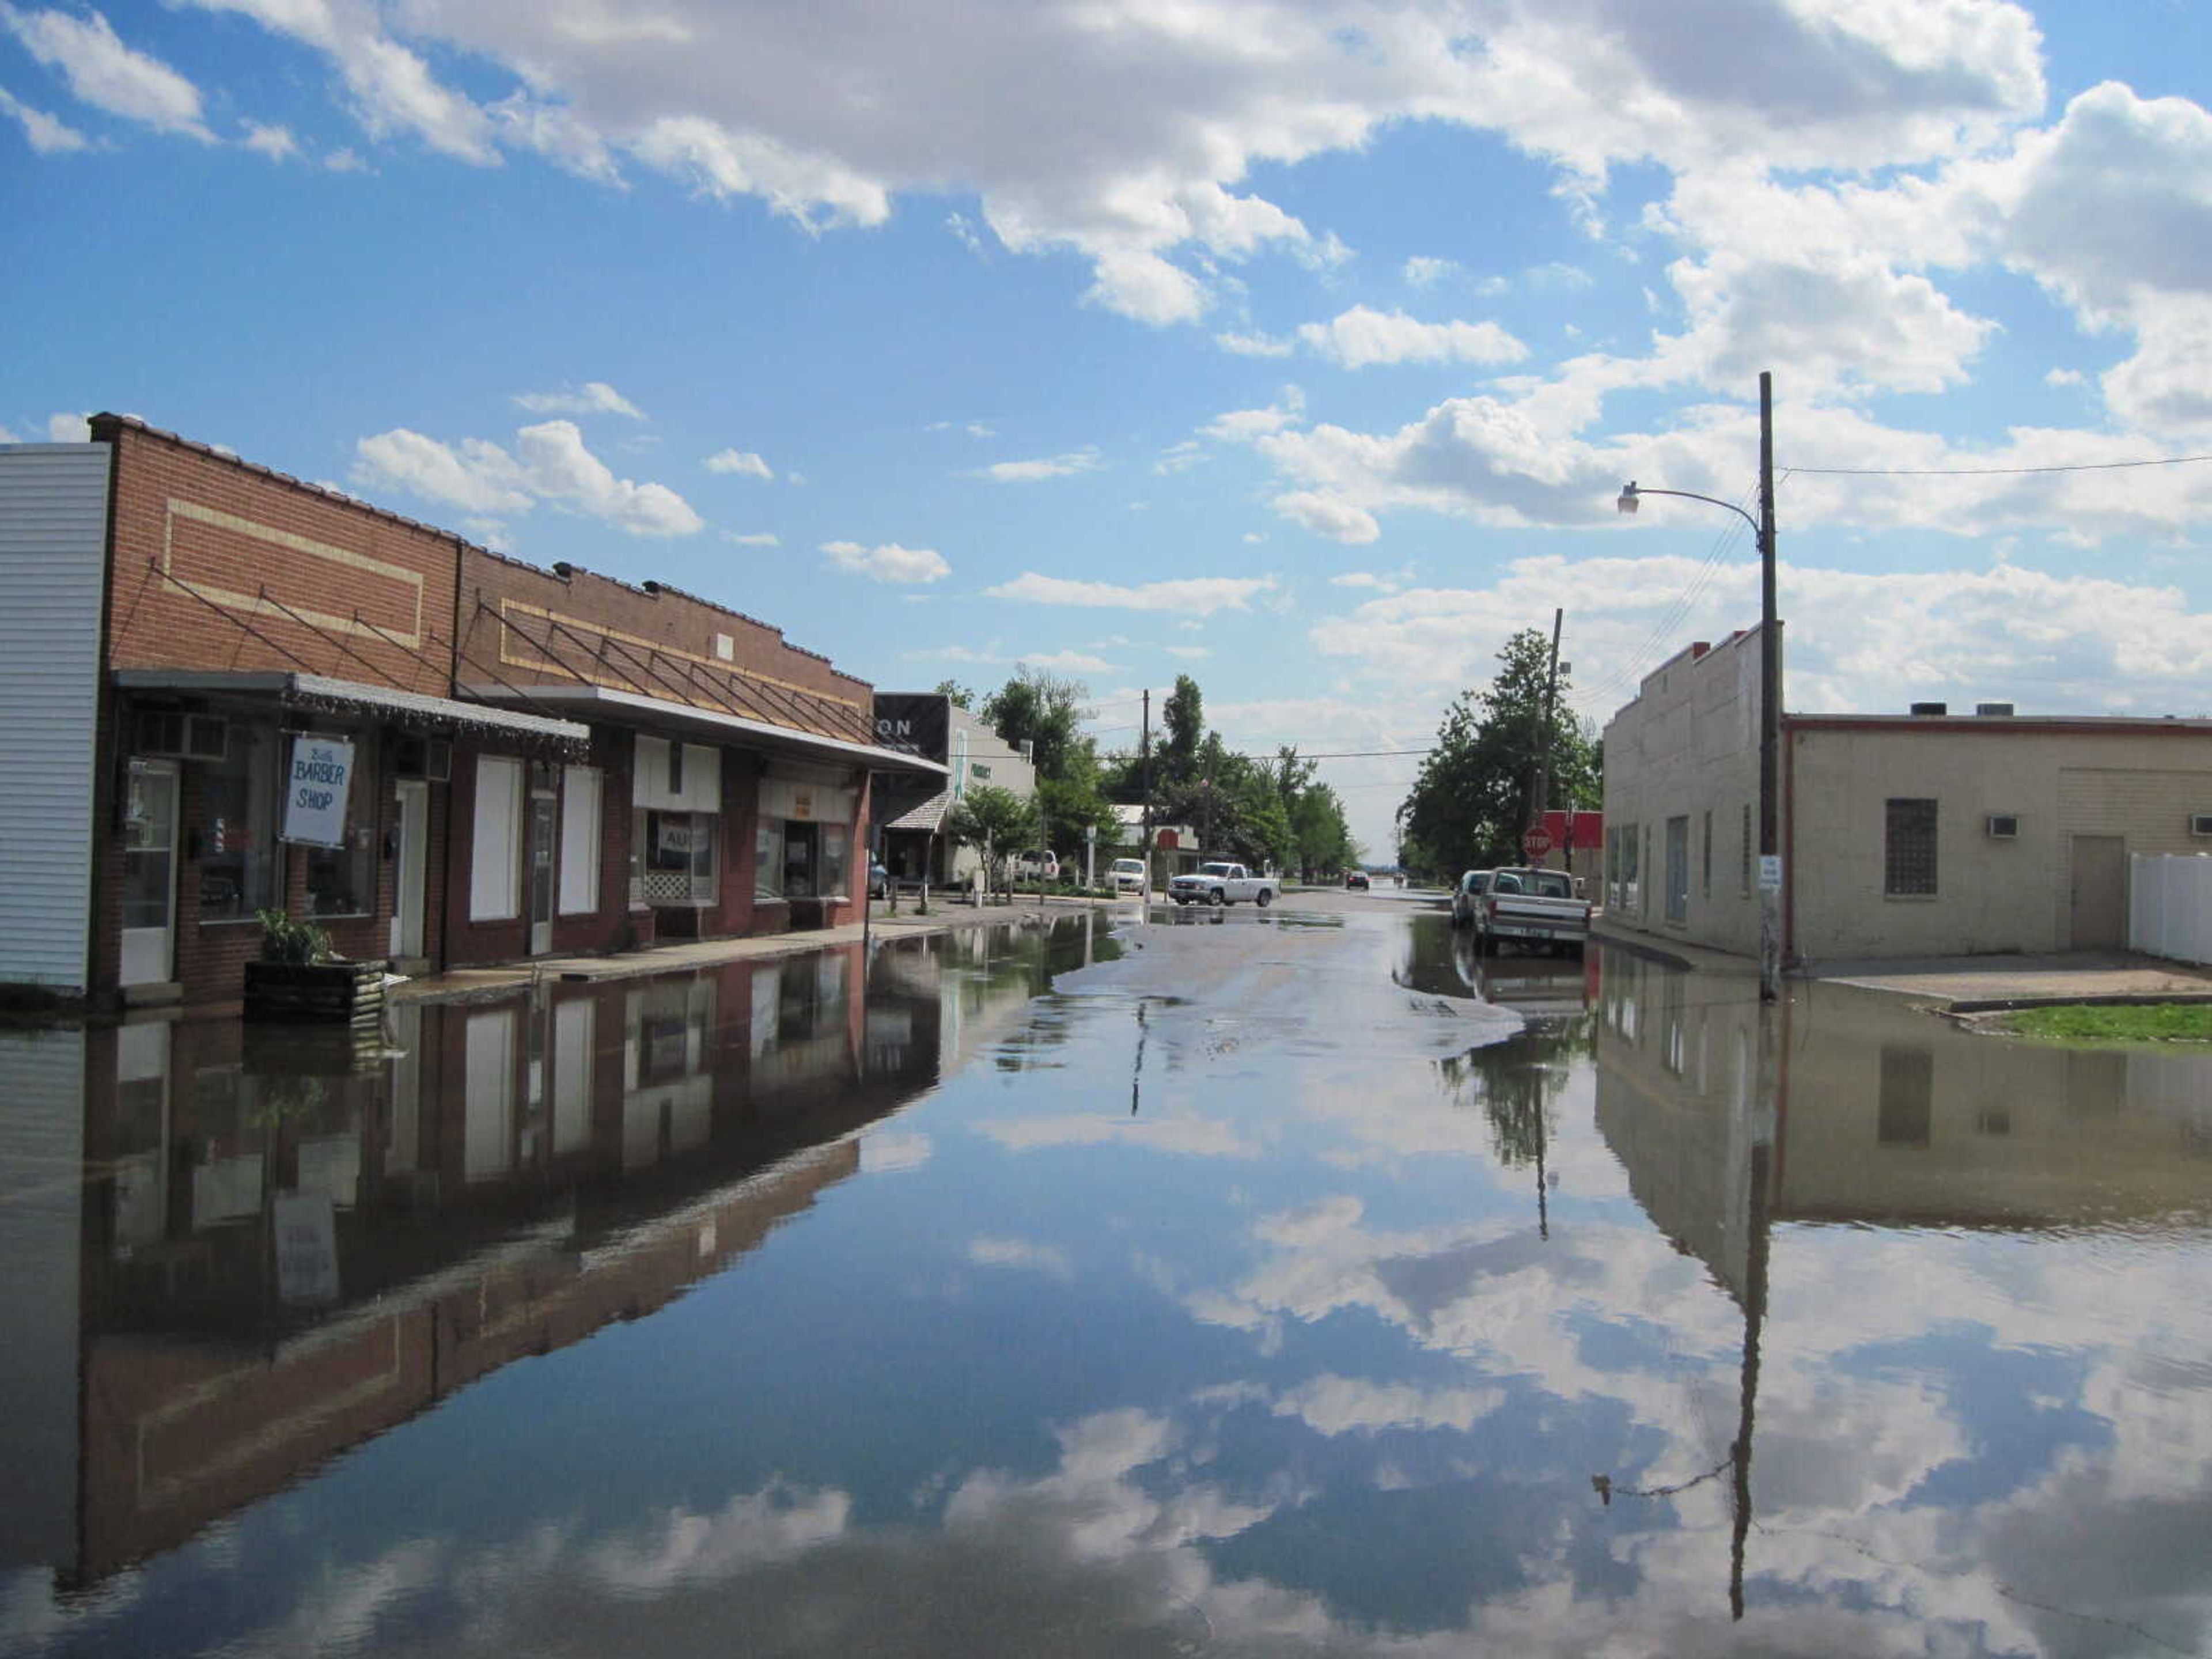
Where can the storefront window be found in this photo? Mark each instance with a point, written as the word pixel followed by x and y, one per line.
pixel 342 880
pixel 768 859
pixel 835 840
pixel 238 848
pixel 678 851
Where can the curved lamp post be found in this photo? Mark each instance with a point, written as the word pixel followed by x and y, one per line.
pixel 1770 686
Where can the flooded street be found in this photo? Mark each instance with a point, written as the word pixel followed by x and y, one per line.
pixel 1249 1283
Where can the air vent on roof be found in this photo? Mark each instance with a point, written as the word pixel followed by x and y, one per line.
pixel 2003 826
pixel 1931 708
pixel 1998 708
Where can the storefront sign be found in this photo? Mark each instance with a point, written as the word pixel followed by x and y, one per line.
pixel 315 798
pixel 914 721
pixel 802 804
pixel 674 833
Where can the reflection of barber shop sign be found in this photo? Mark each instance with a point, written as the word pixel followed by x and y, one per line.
pixel 675 837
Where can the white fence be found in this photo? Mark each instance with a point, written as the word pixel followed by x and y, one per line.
pixel 2169 906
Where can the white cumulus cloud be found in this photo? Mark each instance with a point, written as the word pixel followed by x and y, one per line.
pixel 1201 595
pixel 550 462
pixel 743 462
pixel 889 562
pixel 1050 466
pixel 49 135
pixel 1363 338
pixel 594 397
pixel 104 73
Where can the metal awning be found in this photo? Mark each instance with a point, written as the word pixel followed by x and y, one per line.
pixel 602 703
pixel 927 814
pixel 320 693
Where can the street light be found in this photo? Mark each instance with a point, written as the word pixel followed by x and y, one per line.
pixel 1770 686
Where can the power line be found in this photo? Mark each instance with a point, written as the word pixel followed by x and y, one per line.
pixel 1990 471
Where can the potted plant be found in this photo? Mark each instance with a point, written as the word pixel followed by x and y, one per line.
pixel 298 977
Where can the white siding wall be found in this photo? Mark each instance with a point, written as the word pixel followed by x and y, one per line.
pixel 53 534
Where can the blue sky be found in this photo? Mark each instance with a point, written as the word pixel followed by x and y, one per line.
pixel 1300 347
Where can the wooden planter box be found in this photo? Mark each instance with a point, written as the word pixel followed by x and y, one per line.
pixel 347 991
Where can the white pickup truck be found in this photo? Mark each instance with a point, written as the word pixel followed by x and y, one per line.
pixel 1222 884
pixel 1536 909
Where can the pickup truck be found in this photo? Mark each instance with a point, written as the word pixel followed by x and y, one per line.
pixel 1536 909
pixel 1222 884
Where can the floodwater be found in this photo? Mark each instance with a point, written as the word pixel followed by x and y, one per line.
pixel 1233 1284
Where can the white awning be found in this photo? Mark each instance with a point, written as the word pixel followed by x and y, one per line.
pixel 604 704
pixel 319 691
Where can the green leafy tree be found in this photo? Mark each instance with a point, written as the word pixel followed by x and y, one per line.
pixel 961 697
pixel 1042 709
pixel 1182 721
pixel 998 824
pixel 1471 800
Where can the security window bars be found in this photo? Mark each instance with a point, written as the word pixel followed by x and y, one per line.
pixel 1909 847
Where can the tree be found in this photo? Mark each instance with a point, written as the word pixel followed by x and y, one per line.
pixel 961 696
pixel 1182 718
pixel 1472 800
pixel 998 823
pixel 1041 710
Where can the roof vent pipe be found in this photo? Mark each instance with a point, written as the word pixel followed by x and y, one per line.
pixel 1931 708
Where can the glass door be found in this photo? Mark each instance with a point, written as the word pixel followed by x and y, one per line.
pixel 149 873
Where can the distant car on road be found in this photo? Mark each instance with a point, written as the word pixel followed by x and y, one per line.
pixel 1128 875
pixel 1473 885
pixel 1356 878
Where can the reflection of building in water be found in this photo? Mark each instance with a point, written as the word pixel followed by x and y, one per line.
pixel 1884 1115
pixel 280 1250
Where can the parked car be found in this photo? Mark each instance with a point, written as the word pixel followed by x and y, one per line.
pixel 1356 878
pixel 1128 875
pixel 1036 866
pixel 1468 895
pixel 1222 884
pixel 879 882
pixel 1536 909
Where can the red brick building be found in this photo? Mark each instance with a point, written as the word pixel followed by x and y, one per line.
pixel 237 691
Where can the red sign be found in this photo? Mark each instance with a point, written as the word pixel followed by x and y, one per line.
pixel 1536 844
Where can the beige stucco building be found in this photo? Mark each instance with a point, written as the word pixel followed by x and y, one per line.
pixel 1928 834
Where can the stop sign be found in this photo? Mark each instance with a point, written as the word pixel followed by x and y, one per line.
pixel 1536 843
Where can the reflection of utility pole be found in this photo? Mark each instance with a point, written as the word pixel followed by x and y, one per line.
pixel 1145 830
pixel 1754 1323
pixel 1137 1075
pixel 1543 1210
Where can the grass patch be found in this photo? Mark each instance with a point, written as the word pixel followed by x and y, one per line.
pixel 2153 1022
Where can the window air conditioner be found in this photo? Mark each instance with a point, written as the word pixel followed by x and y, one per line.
pixel 2003 826
pixel 429 758
pixel 185 737
pixel 2200 823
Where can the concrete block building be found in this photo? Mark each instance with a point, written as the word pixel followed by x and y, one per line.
pixel 1927 833
pixel 231 690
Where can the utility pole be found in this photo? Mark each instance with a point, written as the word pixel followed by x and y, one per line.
pixel 1144 833
pixel 1770 713
pixel 1539 800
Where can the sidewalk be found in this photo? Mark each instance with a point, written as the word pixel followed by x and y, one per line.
pixel 1962 984
pixel 942 918
pixel 1980 984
